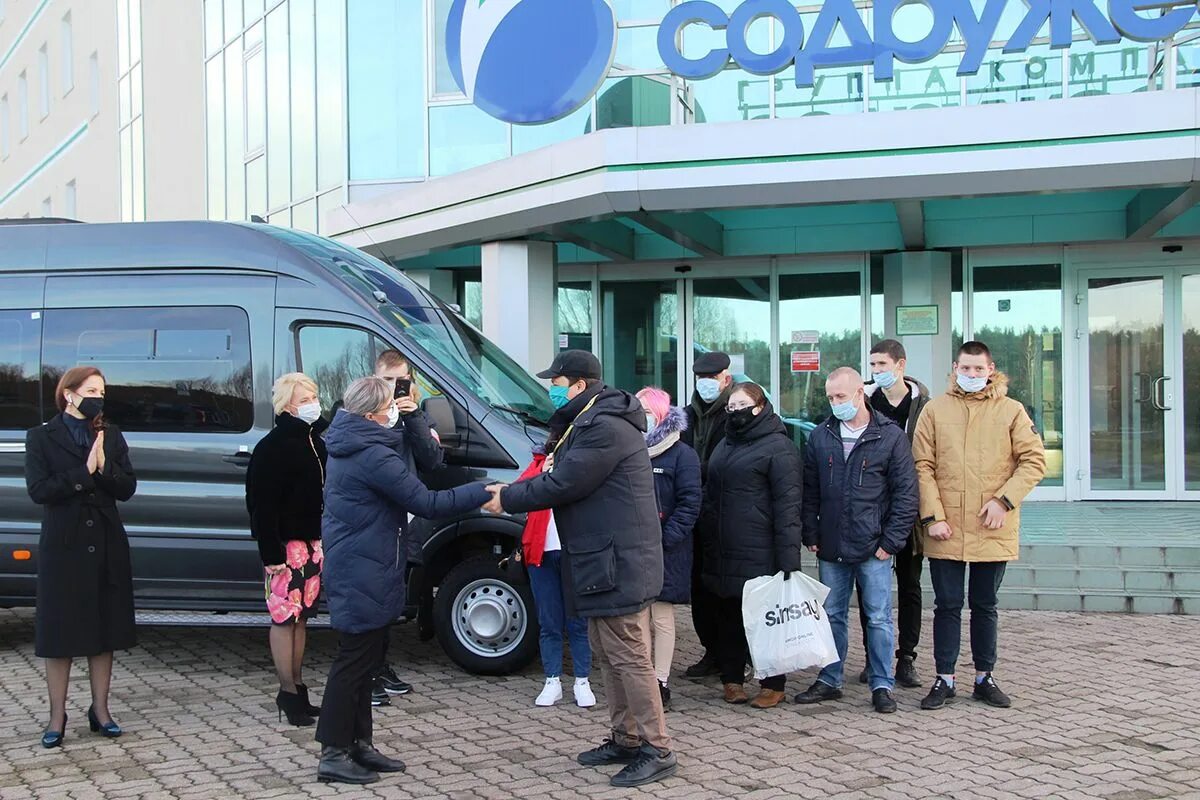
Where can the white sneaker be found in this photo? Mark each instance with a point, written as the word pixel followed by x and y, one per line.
pixel 551 693
pixel 584 697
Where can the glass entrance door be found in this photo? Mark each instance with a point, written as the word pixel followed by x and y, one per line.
pixel 1127 321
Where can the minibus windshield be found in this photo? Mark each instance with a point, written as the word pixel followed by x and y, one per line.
pixel 485 369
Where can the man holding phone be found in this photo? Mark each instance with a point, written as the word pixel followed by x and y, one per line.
pixel 423 452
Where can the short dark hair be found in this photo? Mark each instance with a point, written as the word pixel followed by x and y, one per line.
pixel 890 348
pixel 975 349
pixel 751 390
pixel 588 382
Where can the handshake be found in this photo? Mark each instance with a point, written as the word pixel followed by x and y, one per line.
pixel 493 506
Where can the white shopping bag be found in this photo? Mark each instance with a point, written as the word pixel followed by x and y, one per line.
pixel 786 625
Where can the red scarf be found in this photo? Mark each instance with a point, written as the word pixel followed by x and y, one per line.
pixel 537 523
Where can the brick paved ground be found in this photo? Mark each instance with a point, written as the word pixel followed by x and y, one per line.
pixel 1104 707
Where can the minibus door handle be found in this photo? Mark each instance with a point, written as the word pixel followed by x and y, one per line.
pixel 240 459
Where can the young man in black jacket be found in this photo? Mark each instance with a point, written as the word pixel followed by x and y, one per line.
pixel 601 486
pixel 860 504
pixel 705 430
pixel 901 399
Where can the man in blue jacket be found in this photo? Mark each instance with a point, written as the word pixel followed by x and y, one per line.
pixel 860 503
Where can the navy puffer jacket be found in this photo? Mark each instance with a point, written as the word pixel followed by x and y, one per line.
pixel 369 493
pixel 677 482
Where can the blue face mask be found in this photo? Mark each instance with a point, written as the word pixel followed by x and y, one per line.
pixel 885 380
pixel 559 396
pixel 845 411
pixel 708 389
pixel 970 385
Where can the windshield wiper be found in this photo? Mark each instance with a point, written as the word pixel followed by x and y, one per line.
pixel 524 415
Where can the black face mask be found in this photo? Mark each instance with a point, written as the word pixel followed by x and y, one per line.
pixel 738 421
pixel 90 407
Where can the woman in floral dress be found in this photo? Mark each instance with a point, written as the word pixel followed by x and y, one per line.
pixel 284 487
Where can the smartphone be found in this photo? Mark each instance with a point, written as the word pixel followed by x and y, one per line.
pixel 403 388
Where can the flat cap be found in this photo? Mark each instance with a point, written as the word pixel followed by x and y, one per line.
pixel 710 363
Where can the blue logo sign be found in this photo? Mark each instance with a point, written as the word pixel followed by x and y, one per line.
pixel 530 61
pixel 882 46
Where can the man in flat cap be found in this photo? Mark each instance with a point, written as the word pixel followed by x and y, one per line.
pixel 601 487
pixel 705 430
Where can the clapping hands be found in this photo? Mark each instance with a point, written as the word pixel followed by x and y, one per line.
pixel 493 506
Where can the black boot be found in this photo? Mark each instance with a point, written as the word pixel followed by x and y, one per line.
pixel 665 693
pixel 309 708
pixel 289 703
pixel 337 766
pixel 706 666
pixel 365 755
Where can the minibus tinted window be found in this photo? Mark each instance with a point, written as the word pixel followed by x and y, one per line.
pixel 20 340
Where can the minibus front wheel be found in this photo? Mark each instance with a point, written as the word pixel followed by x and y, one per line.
pixel 485 622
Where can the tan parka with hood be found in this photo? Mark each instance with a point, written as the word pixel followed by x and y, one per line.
pixel 970 448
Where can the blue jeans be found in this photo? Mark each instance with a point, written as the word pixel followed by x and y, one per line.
pixel 546 583
pixel 874 578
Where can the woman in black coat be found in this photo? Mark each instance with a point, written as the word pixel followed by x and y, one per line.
pixel 77 468
pixel 750 523
pixel 284 495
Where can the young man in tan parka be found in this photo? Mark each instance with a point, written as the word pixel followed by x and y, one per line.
pixel 977 456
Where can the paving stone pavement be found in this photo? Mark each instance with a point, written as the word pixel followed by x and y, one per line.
pixel 1104 707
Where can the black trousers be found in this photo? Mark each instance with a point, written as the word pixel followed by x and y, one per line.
pixel 704 605
pixel 733 652
pixel 346 707
pixel 908 603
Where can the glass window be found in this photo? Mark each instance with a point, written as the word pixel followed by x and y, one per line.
pixel 531 137
pixel 826 308
pixel 138 170
pixel 1191 381
pixel 1187 59
pixel 331 119
pixel 256 101
pixel 335 357
pixel 386 63
pixel 70 201
pixel 235 169
pixel 23 105
pixel 304 216
pixel 443 79
pixel 637 48
pixel 641 339
pixel 126 145
pixel 43 82
pixel 462 137
pixel 124 100
pixel 574 316
pixel 213 37
pixel 168 369
pixel 20 344
pixel 733 315
pixel 626 102
pixel 279 157
pixel 135 31
pixel 837 90
pixel 1109 69
pixel 122 36
pixel 326 203
pixel 66 55
pixel 47 207
pixel 471 294
pixel 252 12
pixel 233 18
pixel 1017 313
pixel 1018 77
pixel 215 139
pixel 135 90
pixel 733 94
pixel 304 102
pixel 256 187
pixel 930 84
pixel 5 123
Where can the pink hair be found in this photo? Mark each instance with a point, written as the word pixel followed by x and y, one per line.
pixel 656 401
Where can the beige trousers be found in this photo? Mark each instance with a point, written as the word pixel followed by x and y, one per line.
pixel 662 620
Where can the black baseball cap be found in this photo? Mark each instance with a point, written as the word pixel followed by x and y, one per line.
pixel 573 364
pixel 710 363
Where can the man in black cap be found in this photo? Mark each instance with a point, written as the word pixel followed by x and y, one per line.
pixel 705 430
pixel 601 487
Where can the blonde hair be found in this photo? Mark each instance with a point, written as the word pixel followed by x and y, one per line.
pixel 286 385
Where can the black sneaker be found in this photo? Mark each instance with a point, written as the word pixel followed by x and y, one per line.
pixel 651 765
pixel 379 695
pixel 817 693
pixel 609 752
pixel 883 701
pixel 906 673
pixel 862 676
pixel 987 691
pixel 391 681
pixel 939 693
pixel 665 693
pixel 703 668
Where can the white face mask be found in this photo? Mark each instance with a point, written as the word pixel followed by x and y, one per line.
pixel 393 416
pixel 971 385
pixel 651 423
pixel 309 412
